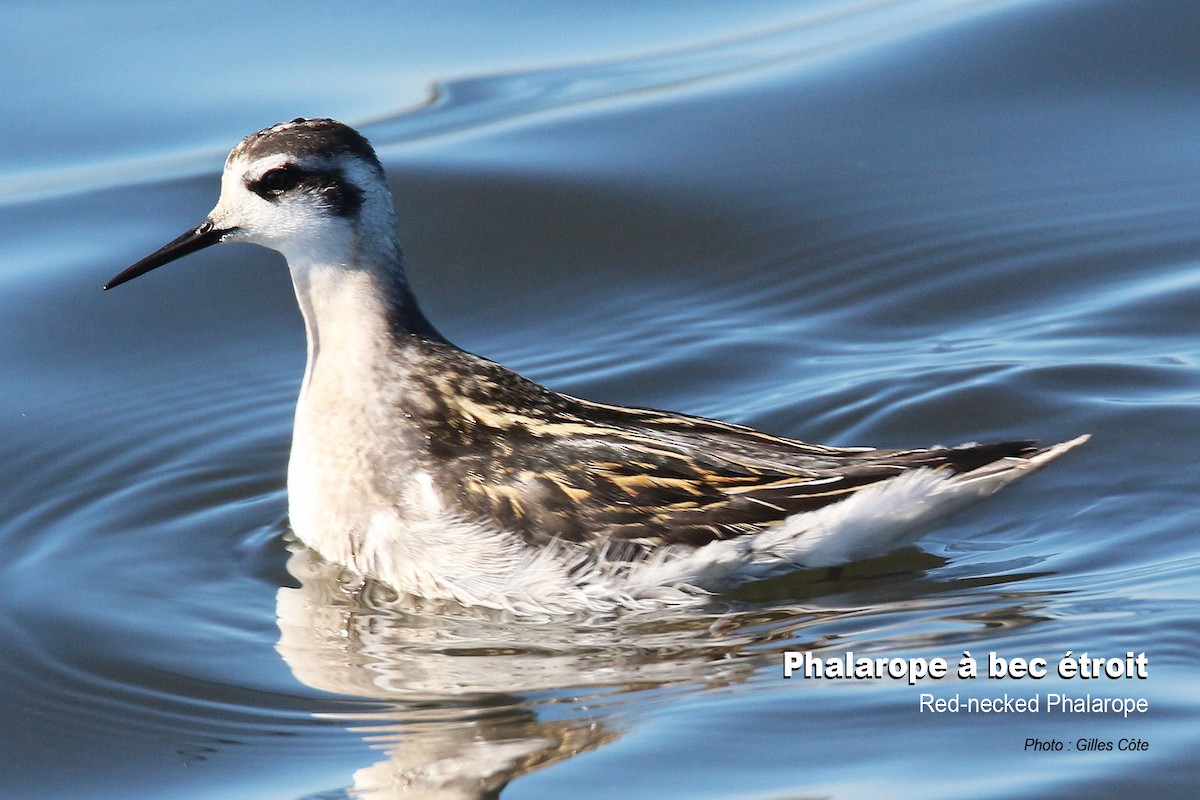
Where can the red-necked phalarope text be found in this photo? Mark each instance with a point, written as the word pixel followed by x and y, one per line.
pixel 446 475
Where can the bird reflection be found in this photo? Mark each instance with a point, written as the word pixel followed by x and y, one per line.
pixel 470 699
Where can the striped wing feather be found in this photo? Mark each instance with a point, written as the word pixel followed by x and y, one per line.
pixel 643 478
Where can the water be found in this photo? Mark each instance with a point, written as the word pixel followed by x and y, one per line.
pixel 889 223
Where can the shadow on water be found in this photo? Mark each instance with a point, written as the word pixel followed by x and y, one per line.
pixel 468 700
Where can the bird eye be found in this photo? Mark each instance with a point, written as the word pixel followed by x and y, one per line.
pixel 276 181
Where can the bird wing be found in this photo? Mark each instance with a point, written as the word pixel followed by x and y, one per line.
pixel 645 478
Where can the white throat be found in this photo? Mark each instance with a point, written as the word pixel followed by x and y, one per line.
pixel 347 295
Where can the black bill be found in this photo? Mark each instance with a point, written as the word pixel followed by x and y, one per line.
pixel 198 238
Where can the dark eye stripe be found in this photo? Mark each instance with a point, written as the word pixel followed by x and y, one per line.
pixel 274 182
pixel 330 187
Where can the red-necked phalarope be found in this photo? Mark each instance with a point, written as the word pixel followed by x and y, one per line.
pixel 446 475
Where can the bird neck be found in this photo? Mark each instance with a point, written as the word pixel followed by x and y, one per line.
pixel 358 309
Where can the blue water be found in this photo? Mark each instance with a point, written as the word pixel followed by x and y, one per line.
pixel 887 223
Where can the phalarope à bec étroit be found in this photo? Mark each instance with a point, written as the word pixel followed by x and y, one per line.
pixel 445 475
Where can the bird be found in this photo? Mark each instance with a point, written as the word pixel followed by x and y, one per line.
pixel 450 478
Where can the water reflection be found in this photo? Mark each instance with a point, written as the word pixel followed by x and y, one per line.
pixel 471 699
